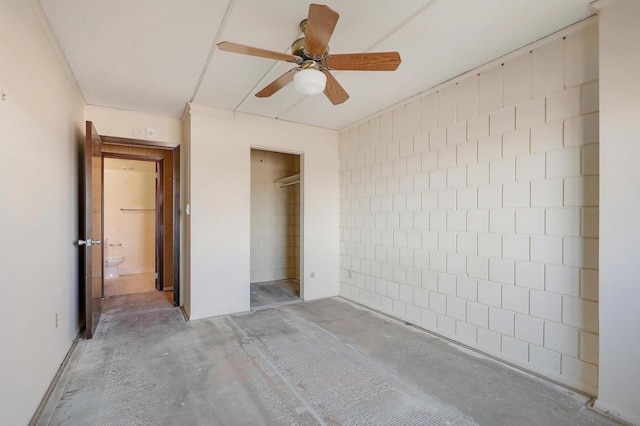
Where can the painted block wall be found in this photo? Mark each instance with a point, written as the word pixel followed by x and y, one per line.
pixel 220 144
pixel 41 139
pixel 130 233
pixel 472 211
pixel 275 217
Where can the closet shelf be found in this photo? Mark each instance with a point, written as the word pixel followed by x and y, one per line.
pixel 287 181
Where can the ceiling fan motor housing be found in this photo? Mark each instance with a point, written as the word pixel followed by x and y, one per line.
pixel 297 48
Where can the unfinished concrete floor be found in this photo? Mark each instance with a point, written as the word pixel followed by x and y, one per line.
pixel 270 293
pixel 326 362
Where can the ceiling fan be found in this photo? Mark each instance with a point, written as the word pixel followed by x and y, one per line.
pixel 311 55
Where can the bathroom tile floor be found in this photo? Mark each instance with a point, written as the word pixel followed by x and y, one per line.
pixel 325 362
pixel 130 284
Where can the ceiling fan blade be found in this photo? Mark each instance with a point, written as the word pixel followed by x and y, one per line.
pixel 278 83
pixel 320 25
pixel 379 61
pixel 254 51
pixel 333 90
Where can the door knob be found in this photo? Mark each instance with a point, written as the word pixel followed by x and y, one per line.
pixel 88 242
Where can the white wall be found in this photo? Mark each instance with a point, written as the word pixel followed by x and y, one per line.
pixel 275 217
pixel 220 197
pixel 472 211
pixel 41 132
pixel 619 390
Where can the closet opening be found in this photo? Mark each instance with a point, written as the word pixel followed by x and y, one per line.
pixel 275 229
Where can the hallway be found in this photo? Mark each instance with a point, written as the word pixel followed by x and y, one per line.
pixel 321 362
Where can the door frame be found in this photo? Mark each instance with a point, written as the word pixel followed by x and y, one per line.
pixel 146 150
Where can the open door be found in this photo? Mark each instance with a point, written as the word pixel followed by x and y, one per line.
pixel 93 262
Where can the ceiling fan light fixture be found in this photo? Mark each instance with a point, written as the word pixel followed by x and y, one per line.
pixel 309 81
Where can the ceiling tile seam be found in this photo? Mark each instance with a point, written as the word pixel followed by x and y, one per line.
pixel 263 78
pixel 225 18
pixel 404 22
pixel 294 105
pixel 259 83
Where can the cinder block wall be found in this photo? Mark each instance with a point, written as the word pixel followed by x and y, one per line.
pixel 473 210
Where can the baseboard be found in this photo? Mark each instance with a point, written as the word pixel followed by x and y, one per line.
pixel 54 393
pixel 616 413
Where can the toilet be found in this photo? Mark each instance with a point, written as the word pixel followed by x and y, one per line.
pixel 111 263
pixel 112 267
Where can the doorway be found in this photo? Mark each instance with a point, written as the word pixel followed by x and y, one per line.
pixel 275 228
pixel 165 160
pixel 130 217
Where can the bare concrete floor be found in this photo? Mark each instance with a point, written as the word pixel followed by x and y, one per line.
pixel 272 293
pixel 326 362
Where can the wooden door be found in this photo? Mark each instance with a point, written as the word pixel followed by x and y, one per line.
pixel 92 243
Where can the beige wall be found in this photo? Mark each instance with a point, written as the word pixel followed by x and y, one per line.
pixel 275 217
pixel 472 211
pixel 220 201
pixel 131 124
pixel 185 217
pixel 41 132
pixel 619 391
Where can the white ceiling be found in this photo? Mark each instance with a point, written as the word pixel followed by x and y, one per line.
pixel 154 56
